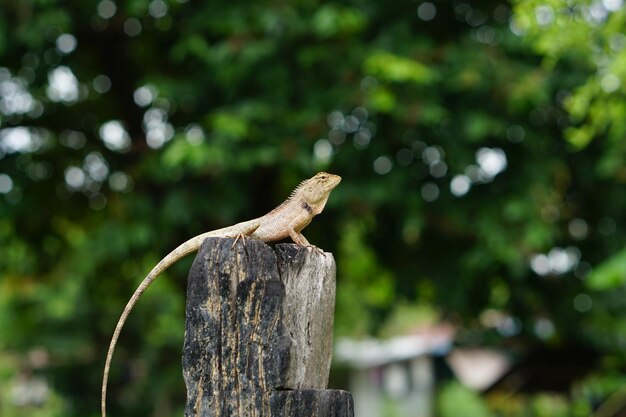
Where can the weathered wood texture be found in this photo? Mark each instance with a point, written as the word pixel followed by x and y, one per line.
pixel 305 403
pixel 258 332
pixel 308 313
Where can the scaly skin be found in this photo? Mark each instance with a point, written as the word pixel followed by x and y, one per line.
pixel 286 220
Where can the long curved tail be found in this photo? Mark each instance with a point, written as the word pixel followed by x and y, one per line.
pixel 186 248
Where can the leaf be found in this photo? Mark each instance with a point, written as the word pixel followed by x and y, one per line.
pixel 394 68
pixel 579 137
pixel 230 125
pixel 455 400
pixel 332 20
pixel 479 125
pixel 195 46
pixel 382 99
pixel 181 153
pixel 610 274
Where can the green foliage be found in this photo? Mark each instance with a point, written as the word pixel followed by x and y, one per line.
pixel 389 67
pixel 548 404
pixel 482 151
pixel 610 274
pixel 454 400
pixel 407 318
pixel 594 43
pixel 332 20
pixel 361 273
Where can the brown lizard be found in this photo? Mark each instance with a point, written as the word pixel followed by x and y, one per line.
pixel 286 220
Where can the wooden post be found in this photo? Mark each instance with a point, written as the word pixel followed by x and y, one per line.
pixel 258 333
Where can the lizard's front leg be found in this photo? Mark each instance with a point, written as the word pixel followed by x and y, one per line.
pixel 299 239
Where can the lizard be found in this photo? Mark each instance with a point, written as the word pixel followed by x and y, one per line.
pixel 286 221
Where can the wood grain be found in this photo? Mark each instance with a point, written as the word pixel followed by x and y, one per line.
pixel 258 335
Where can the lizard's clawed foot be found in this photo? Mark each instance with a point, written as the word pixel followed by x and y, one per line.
pixel 315 249
pixel 241 237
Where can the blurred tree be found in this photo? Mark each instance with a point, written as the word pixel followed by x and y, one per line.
pixel 481 148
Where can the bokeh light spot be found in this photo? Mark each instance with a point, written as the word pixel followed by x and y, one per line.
pixel 438 169
pixel 404 157
pixel 515 133
pixel 544 15
pixel 115 136
pixel 62 85
pixel 106 9
pixel 362 138
pixel 426 11
pixel 74 177
pixel 610 83
pixel 145 95
pixel 14 97
pixel 194 134
pixel 132 26
pixel 430 192
pixel 544 328
pixel 322 150
pixel 335 120
pixel 578 229
pixel 120 181
pixel 66 43
pixel 157 9
pixel 6 184
pixel 102 84
pixel 583 303
pixel 96 166
pixel 382 165
pixel 492 161
pixel 612 5
pixel 460 185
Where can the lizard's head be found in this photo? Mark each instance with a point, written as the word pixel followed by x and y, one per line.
pixel 316 189
pixel 326 180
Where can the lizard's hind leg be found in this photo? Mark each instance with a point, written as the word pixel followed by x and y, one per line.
pixel 241 237
pixel 246 233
